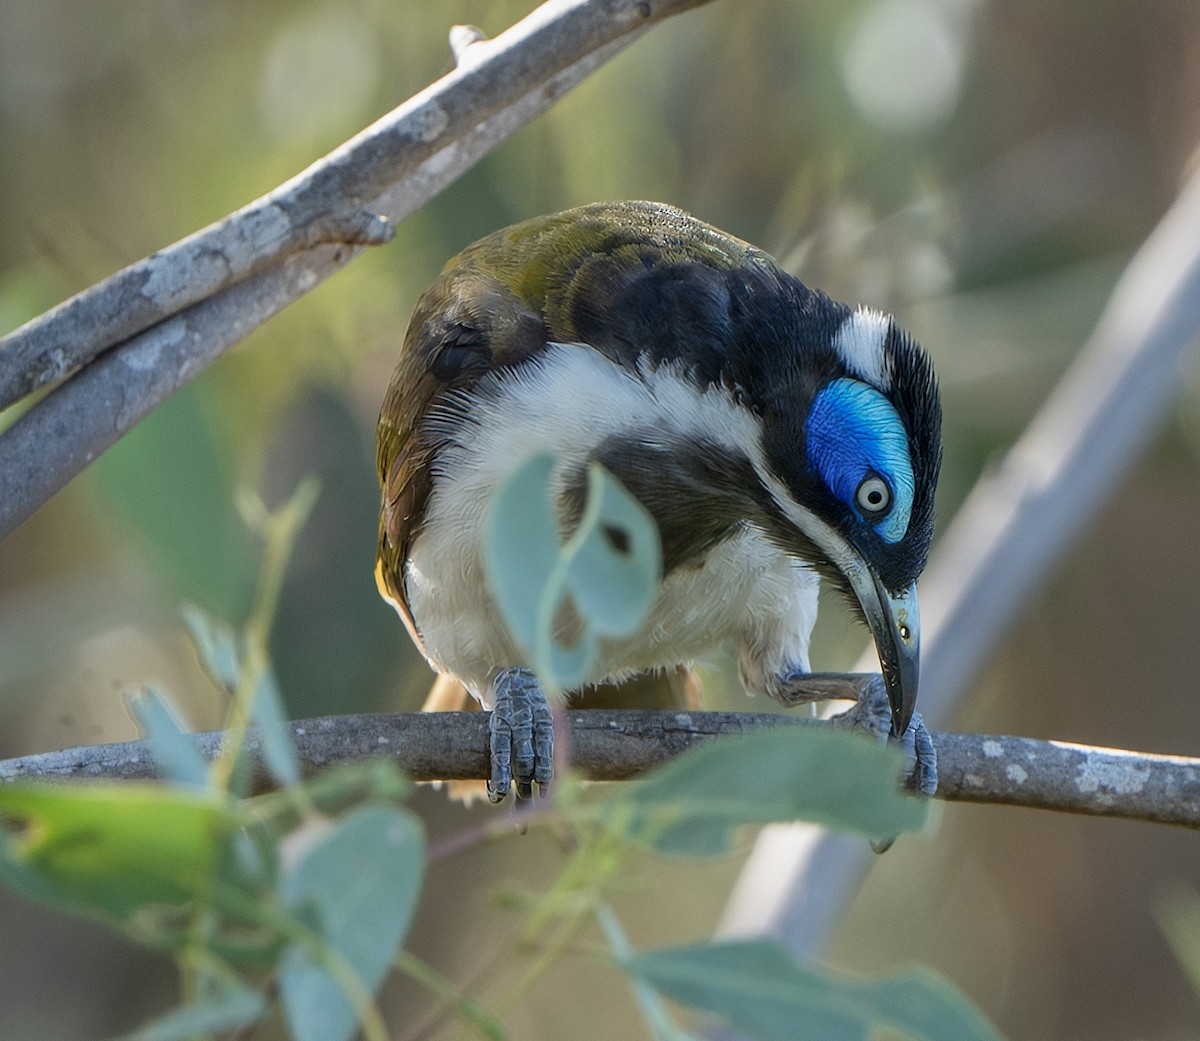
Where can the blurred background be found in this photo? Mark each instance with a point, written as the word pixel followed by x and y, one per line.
pixel 984 170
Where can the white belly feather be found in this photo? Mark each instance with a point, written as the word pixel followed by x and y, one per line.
pixel 746 591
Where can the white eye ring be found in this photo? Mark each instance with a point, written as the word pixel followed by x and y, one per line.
pixel 874 497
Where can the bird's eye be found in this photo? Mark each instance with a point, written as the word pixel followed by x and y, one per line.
pixel 874 497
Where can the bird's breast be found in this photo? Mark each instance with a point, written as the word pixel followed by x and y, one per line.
pixel 573 400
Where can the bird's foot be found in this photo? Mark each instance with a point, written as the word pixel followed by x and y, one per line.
pixel 873 713
pixel 520 736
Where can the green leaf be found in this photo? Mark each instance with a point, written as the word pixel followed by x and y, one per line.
pixel 338 787
pixel 522 546
pixel 179 760
pixel 561 667
pixel 1178 915
pixel 196 541
pixel 759 989
pixel 275 738
pixel 608 571
pixel 692 805
pixel 112 849
pixel 231 1005
pixel 217 646
pixel 659 1021
pixel 357 887
pixel 616 558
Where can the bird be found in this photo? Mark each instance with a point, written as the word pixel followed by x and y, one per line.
pixel 776 437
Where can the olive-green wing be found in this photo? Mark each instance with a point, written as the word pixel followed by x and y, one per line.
pixel 465 325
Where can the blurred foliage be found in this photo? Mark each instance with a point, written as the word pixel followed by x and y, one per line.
pixel 305 895
pixel 981 169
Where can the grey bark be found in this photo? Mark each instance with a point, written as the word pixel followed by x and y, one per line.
pixel 615 746
pixel 128 342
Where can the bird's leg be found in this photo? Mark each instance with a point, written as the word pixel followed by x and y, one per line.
pixel 520 736
pixel 871 712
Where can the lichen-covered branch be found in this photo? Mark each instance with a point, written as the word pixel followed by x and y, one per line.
pixel 610 746
pixel 134 338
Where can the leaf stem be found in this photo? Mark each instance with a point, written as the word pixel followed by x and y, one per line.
pixel 279 531
pixel 465 1007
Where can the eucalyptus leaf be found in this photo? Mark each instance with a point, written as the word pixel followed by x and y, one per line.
pixel 338 787
pixel 230 1006
pixel 110 850
pixel 178 759
pixel 198 546
pixel 216 645
pixel 693 805
pixel 522 546
pixel 607 572
pixel 275 738
pixel 357 887
pixel 1178 915
pixel 616 558
pixel 564 667
pixel 654 1012
pixel 760 990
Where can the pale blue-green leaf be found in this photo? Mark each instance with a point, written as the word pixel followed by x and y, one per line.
pixel 338 787
pixel 357 886
pixel 275 738
pixel 759 989
pixel 561 667
pixel 693 805
pixel 175 753
pixel 250 860
pixel 654 1012
pixel 522 546
pixel 230 1006
pixel 216 645
pixel 1178 915
pixel 616 558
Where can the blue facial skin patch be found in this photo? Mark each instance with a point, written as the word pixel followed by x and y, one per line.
pixel 852 431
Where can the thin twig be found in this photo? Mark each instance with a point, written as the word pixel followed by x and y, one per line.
pixel 612 746
pixel 153 326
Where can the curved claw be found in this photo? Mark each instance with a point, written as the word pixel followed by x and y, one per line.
pixel 520 736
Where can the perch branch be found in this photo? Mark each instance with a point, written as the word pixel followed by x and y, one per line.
pixel 610 746
pixel 134 338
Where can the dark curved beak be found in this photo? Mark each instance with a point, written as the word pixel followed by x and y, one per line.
pixel 895 623
pixel 893 617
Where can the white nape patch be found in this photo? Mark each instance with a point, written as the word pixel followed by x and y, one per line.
pixel 567 402
pixel 859 342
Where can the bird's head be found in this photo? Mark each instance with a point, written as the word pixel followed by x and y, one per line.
pixel 851 447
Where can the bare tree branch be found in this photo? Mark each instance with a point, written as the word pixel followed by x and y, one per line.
pixel 165 318
pixel 1003 544
pixel 613 746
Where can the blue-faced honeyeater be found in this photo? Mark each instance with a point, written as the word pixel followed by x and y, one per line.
pixel 774 435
